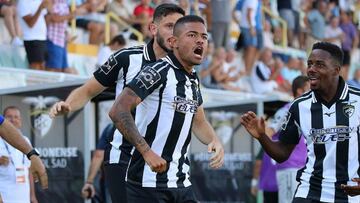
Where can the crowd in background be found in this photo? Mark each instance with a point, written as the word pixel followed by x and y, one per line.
pixel 42 27
pixel 248 64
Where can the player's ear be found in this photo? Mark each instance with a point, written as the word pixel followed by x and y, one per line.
pixel 173 42
pixel 153 28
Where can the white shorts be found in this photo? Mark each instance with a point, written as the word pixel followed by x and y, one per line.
pixel 286 180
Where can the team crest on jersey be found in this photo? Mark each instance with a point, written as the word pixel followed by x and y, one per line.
pixel 148 77
pixel 286 120
pixel 109 65
pixel 348 110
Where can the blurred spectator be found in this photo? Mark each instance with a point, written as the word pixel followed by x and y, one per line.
pixel 116 43
pixel 185 5
pixel 203 69
pixel 356 79
pixel 286 12
pixel 252 41
pixel 119 8
pixel 349 43
pixel 268 35
pixel 345 5
pixel 291 70
pixel 32 21
pixel 262 78
pixel 8 11
pixel 316 22
pixel 89 19
pixel 16 183
pixel 221 20
pixel 144 13
pixel 214 76
pixel 57 20
pixel 333 32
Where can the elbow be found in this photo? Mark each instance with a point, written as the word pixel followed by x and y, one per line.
pixel 112 114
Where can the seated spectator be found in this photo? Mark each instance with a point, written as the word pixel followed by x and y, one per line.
pixel 89 19
pixel 57 20
pixel 356 80
pixel 268 35
pixel 291 69
pixel 262 78
pixel 118 8
pixel 116 43
pixel 8 11
pixel 32 21
pixel 333 32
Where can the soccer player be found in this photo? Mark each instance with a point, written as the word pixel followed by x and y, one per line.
pixel 119 70
pixel 168 104
pixel 328 117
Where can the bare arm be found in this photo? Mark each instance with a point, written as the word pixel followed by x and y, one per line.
pixel 30 20
pixel 120 114
pixel 279 151
pixel 77 98
pixel 206 134
pixel 12 136
pixel 95 165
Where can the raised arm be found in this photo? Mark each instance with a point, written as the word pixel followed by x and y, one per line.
pixel 206 134
pixel 77 98
pixel 279 151
pixel 120 114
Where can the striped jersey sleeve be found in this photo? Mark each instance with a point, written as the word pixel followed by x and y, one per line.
pixel 149 79
pixel 289 132
pixel 116 65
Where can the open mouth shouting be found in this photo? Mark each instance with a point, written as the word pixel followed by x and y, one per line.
pixel 199 52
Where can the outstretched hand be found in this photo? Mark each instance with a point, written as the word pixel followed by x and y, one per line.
pixel 217 159
pixel 59 108
pixel 254 125
pixel 352 190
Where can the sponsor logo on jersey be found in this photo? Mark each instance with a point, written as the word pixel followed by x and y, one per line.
pixel 184 105
pixel 334 134
pixel 109 65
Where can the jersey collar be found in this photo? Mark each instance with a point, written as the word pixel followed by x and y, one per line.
pixel 148 52
pixel 341 94
pixel 174 62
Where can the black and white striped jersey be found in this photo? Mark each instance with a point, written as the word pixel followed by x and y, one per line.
pixel 332 133
pixel 170 98
pixel 119 70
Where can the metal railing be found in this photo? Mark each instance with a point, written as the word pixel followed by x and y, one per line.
pixel 110 15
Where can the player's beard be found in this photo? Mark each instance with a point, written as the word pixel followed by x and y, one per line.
pixel 161 42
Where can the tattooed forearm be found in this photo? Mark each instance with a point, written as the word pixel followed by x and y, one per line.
pixel 125 123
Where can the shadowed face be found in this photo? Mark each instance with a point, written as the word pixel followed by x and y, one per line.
pixel 14 116
pixel 164 30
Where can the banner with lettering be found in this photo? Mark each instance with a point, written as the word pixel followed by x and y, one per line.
pixel 65 168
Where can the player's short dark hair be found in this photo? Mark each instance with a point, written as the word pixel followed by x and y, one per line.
pixel 166 9
pixel 336 53
pixel 118 39
pixel 299 82
pixel 9 108
pixel 186 19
